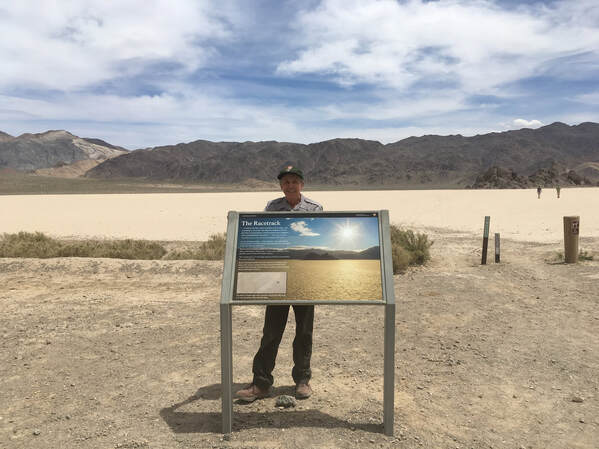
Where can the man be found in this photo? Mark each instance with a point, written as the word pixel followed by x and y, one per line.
pixel 291 180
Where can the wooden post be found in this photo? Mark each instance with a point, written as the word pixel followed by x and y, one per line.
pixel 571 231
pixel 485 240
pixel 497 252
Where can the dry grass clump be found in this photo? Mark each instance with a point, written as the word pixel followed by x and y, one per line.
pixel 408 248
pixel 27 244
pixel 39 245
pixel 558 257
pixel 116 249
pixel 212 249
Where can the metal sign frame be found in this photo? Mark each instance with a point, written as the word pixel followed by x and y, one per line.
pixel 227 303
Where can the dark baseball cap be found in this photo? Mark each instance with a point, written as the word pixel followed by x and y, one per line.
pixel 290 169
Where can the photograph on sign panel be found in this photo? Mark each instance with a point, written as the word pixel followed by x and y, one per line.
pixel 326 258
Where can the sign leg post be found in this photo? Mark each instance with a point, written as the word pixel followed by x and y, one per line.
pixel 389 379
pixel 226 361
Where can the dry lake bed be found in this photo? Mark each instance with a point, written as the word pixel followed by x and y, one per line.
pixel 515 214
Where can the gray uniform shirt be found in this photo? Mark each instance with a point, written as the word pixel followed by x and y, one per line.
pixel 305 205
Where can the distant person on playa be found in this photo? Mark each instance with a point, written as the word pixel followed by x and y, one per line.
pixel 557 189
pixel 291 180
pixel 539 192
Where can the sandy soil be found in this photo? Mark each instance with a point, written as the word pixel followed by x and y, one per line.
pixel 99 353
pixel 515 214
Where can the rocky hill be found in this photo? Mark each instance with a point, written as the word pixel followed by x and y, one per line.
pixel 4 137
pixel 428 160
pixel 500 178
pixel 53 150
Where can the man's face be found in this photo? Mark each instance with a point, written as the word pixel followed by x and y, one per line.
pixel 291 185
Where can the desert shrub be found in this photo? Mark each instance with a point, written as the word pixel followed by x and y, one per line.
pixel 28 244
pixel 584 255
pixel 408 248
pixel 37 244
pixel 401 259
pixel 212 249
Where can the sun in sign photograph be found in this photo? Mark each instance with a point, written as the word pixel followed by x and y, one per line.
pixel 347 230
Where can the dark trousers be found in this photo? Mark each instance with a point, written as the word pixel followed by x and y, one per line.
pixel 275 319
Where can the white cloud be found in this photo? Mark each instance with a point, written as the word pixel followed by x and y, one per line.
pixel 148 120
pixel 472 44
pixel 302 229
pixel 145 121
pixel 77 43
pixel 522 123
pixel 398 107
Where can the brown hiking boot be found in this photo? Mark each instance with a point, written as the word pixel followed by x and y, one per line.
pixel 251 393
pixel 303 390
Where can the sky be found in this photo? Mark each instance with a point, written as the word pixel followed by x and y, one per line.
pixel 144 73
pixel 332 233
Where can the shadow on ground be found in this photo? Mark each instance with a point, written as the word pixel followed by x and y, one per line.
pixel 211 422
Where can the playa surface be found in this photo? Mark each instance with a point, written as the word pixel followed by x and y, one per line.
pixel 515 214
pixel 104 353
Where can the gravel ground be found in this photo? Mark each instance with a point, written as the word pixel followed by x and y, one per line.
pixel 100 353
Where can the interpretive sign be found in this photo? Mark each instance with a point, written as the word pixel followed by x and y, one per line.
pixel 308 257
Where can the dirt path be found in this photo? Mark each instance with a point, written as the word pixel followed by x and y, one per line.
pixel 99 353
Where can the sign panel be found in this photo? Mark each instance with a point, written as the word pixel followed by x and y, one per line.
pixel 312 257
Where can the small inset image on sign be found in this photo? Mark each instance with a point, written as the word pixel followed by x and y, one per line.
pixel 272 283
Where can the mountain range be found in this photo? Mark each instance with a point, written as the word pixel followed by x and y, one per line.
pixel 556 153
pixel 54 153
pixel 320 254
pixel 373 253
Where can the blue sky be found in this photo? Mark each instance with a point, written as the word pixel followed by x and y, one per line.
pixel 334 233
pixel 141 73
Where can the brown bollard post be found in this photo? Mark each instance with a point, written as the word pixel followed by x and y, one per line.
pixel 485 240
pixel 571 231
pixel 497 255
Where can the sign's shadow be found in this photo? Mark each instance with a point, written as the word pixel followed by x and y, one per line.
pixel 211 422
